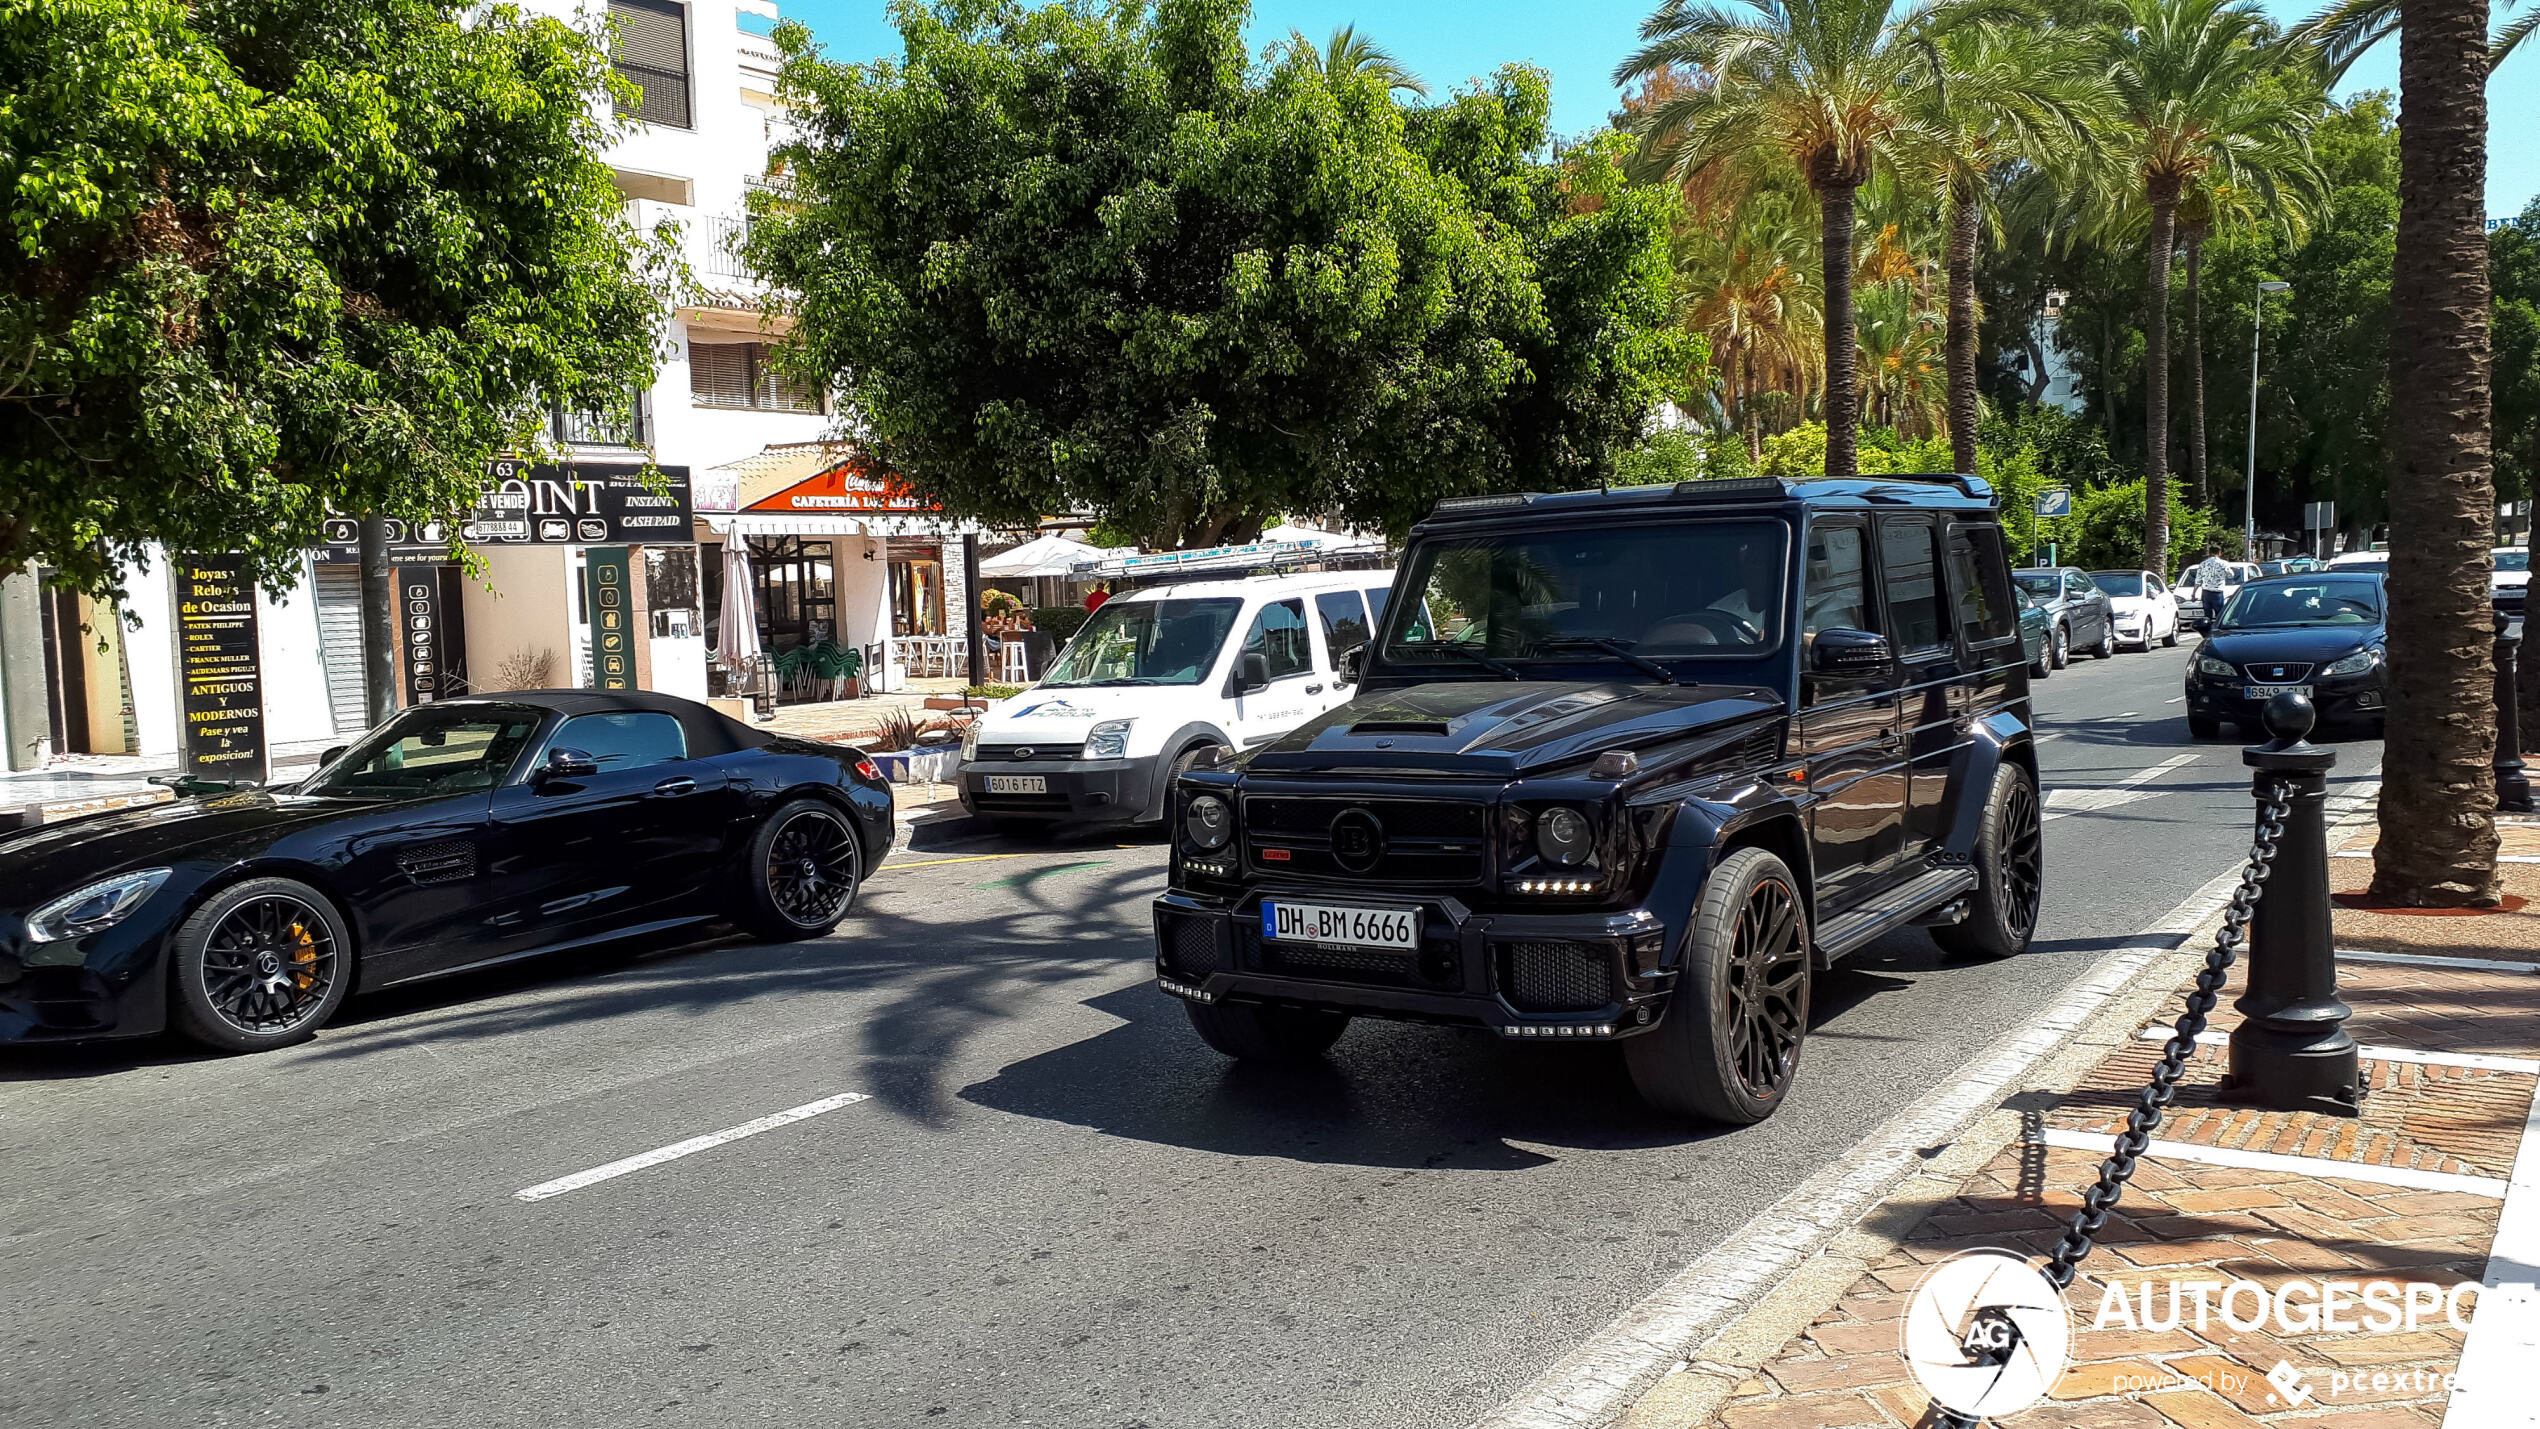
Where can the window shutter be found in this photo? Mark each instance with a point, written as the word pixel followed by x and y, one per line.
pixel 652 34
pixel 719 374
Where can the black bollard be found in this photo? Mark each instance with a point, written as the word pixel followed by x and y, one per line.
pixel 2513 786
pixel 2291 1052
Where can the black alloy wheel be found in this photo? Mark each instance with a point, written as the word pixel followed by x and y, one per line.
pixel 802 872
pixel 261 964
pixel 2010 873
pixel 1731 1041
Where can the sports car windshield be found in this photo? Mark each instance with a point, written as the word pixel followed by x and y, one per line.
pixel 430 751
pixel 1147 642
pixel 2352 600
pixel 1566 597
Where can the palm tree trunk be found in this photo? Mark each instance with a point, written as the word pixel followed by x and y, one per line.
pixel 1964 219
pixel 2196 368
pixel 2438 798
pixel 2156 379
pixel 1843 375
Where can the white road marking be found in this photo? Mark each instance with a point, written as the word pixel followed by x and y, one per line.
pixel 2424 960
pixel 2128 790
pixel 2365 1172
pixel 2474 1061
pixel 689 1147
pixel 2179 701
pixel 2504 1332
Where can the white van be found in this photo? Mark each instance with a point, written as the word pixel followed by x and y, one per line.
pixel 1157 676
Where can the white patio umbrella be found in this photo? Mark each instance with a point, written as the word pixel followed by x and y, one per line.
pixel 736 645
pixel 1051 555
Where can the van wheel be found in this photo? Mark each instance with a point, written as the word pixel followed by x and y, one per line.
pixel 2010 859
pixel 1730 1042
pixel 1266 1034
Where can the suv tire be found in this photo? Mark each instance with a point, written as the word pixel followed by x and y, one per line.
pixel 1266 1034
pixel 1729 1046
pixel 2010 859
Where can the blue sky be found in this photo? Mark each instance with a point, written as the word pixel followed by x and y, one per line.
pixel 1580 42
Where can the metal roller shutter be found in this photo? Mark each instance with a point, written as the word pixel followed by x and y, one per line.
pixel 339 613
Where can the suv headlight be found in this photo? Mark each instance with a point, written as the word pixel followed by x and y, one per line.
pixel 1108 740
pixel 1209 823
pixel 970 740
pixel 1562 837
pixel 2356 663
pixel 100 905
pixel 2219 669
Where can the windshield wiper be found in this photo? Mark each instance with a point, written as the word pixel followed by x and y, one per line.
pixel 1615 648
pixel 1497 667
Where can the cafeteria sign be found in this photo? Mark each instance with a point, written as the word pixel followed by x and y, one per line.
pixel 219 669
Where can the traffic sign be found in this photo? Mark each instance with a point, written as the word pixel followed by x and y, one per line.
pixel 2055 501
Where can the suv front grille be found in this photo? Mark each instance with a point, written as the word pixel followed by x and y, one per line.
pixel 1555 977
pixel 1423 841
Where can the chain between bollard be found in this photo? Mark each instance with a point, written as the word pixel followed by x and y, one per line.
pixel 2157 1094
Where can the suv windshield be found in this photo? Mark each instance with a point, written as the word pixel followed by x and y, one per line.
pixel 431 751
pixel 2118 582
pixel 2352 600
pixel 1146 642
pixel 1656 592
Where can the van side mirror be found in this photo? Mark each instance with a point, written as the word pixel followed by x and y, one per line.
pixel 1352 664
pixel 1848 652
pixel 564 763
pixel 1252 672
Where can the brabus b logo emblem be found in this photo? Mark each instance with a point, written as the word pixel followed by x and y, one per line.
pixel 1358 840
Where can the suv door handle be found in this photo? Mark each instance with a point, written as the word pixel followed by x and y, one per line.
pixel 676 787
pixel 1314 689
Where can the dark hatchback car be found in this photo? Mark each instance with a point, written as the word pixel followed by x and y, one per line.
pixel 2320 633
pixel 1630 765
pixel 456 835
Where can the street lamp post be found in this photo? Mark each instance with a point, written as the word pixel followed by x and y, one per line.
pixel 2249 490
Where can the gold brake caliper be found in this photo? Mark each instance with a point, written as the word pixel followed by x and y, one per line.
pixel 305 956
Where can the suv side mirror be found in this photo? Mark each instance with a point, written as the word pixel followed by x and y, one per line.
pixel 1848 652
pixel 1252 672
pixel 1352 664
pixel 564 763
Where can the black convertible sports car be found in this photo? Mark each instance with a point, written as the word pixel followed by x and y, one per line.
pixel 456 835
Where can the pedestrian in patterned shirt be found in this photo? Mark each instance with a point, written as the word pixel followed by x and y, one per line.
pixel 2212 574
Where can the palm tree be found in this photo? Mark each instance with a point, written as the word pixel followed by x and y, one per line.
pixel 1747 288
pixel 2194 107
pixel 2001 98
pixel 1902 358
pixel 1348 53
pixel 1827 85
pixel 2342 33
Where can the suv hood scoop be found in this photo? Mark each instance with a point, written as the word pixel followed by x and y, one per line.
pixel 1506 727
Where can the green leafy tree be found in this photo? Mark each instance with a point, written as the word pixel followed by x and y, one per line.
pixel 1093 257
pixel 272 258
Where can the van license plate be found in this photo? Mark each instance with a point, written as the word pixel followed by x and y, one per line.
pixel 2268 692
pixel 1394 928
pixel 1018 784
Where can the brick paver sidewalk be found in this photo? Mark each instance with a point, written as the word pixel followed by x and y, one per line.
pixel 2451 1034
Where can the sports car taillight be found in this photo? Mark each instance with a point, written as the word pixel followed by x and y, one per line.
pixel 868 769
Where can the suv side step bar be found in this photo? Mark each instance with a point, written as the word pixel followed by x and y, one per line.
pixel 1896 908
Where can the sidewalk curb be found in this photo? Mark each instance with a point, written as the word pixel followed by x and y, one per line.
pixel 1678 1355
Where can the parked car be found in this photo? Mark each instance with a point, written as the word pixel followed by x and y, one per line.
pixel 2512 578
pixel 2360 561
pixel 458 834
pixel 2081 612
pixel 2320 634
pixel 2142 606
pixel 1156 678
pixel 1629 766
pixel 2190 600
pixel 2037 636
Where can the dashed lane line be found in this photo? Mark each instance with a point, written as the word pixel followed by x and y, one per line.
pixel 2128 790
pixel 690 1147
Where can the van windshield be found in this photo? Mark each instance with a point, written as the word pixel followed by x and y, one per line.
pixel 1146 642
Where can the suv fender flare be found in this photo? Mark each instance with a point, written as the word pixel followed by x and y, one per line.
pixel 2001 735
pixel 1705 831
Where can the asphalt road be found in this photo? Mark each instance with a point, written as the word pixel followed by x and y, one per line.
pixel 1054 1206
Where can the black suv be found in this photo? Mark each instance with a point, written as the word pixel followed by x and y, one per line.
pixel 1630 765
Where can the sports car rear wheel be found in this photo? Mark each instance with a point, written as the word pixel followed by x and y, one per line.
pixel 262 964
pixel 801 873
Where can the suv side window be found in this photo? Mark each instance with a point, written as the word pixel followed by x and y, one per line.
pixel 628 740
pixel 1344 621
pixel 1837 581
pixel 1981 583
pixel 1910 571
pixel 1278 635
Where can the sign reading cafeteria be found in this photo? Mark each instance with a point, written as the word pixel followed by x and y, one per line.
pixel 218 666
pixel 846 489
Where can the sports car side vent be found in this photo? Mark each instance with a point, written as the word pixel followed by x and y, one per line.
pixel 428 864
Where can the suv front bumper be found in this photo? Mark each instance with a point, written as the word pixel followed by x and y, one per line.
pixel 1522 975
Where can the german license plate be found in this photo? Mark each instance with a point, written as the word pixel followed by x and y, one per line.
pixel 2268 692
pixel 1394 928
pixel 1018 784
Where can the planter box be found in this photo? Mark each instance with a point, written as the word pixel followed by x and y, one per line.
pixel 955 702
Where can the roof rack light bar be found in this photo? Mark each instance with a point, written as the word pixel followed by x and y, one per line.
pixel 1488 503
pixel 1732 489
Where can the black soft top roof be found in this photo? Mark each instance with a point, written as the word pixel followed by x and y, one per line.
pixel 710 732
